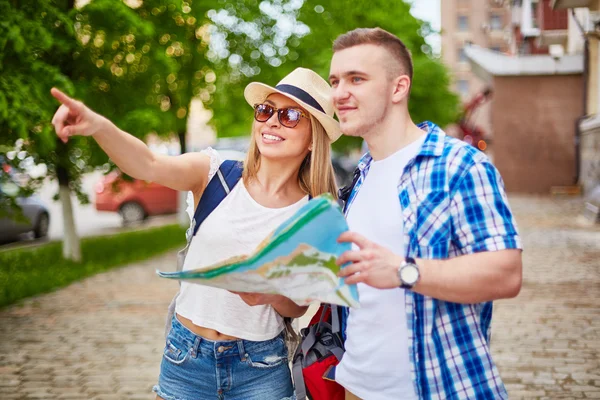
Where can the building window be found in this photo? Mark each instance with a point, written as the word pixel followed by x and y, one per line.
pixel 496 49
pixel 463 23
pixel 534 14
pixel 462 56
pixel 463 87
pixel 495 22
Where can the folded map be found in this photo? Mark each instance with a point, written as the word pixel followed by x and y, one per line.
pixel 297 260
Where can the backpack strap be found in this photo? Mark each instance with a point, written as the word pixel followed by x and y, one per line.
pixel 343 197
pixel 227 176
pixel 218 188
pixel 344 193
pixel 299 386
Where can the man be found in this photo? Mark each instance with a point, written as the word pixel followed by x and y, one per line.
pixel 434 239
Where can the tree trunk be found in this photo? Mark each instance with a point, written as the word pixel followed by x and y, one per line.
pixel 71 242
pixel 182 216
pixel 182 141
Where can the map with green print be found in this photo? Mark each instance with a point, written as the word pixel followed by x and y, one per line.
pixel 297 260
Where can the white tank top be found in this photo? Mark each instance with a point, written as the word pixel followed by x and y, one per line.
pixel 236 227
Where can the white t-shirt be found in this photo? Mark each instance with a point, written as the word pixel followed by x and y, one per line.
pixel 236 227
pixel 376 363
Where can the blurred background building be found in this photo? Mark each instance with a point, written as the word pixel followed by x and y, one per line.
pixel 485 23
pixel 539 59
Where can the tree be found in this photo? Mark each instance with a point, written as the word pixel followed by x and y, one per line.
pixel 431 97
pixel 176 55
pixel 34 38
pixel 139 66
pixel 42 46
pixel 189 42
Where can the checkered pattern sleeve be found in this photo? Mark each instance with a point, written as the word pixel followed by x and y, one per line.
pixel 481 216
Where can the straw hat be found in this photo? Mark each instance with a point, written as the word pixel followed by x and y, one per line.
pixel 306 88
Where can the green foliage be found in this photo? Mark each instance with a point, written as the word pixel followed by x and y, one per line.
pixel 30 33
pixel 166 52
pixel 431 98
pixel 37 41
pixel 28 272
pixel 119 66
pixel 141 67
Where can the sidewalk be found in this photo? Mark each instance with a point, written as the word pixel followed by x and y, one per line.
pixel 546 341
pixel 102 338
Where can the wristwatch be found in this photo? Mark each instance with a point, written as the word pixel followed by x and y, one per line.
pixel 408 273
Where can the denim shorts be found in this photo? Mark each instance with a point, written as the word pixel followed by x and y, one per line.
pixel 194 368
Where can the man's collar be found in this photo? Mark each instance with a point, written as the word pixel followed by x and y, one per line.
pixel 432 147
pixel 434 142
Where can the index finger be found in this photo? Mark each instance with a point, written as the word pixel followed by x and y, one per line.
pixel 353 237
pixel 64 99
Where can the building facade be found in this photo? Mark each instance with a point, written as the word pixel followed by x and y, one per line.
pixel 485 23
pixel 584 37
pixel 537 98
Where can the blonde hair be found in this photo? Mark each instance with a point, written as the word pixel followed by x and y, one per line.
pixel 316 175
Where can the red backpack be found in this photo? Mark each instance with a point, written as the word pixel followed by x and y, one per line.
pixel 321 349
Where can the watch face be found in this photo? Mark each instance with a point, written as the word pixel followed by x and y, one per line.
pixel 409 274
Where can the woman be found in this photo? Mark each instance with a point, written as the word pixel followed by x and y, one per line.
pixel 221 344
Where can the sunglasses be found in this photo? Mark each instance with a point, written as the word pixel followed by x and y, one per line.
pixel 288 116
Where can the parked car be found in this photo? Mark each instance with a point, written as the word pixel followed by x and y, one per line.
pixel 135 200
pixel 36 216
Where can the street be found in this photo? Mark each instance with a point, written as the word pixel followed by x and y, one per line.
pixel 88 221
pixel 102 338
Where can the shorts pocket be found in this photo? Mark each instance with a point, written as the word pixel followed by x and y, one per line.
pixel 176 351
pixel 269 357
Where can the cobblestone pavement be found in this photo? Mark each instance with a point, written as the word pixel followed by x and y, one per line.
pixel 102 338
pixel 546 341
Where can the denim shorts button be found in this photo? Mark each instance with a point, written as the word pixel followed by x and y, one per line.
pixel 221 349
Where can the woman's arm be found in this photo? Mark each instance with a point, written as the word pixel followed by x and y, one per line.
pixel 185 172
pixel 283 305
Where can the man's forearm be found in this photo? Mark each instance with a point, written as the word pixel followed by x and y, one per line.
pixel 472 278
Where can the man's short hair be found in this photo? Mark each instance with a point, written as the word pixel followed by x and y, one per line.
pixel 379 37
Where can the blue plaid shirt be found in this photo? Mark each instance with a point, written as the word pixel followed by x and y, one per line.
pixel 453 203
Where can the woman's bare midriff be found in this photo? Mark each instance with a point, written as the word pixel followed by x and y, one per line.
pixel 206 333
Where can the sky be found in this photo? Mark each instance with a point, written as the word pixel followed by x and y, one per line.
pixel 429 10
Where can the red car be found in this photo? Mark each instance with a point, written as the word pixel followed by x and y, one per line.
pixel 134 200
